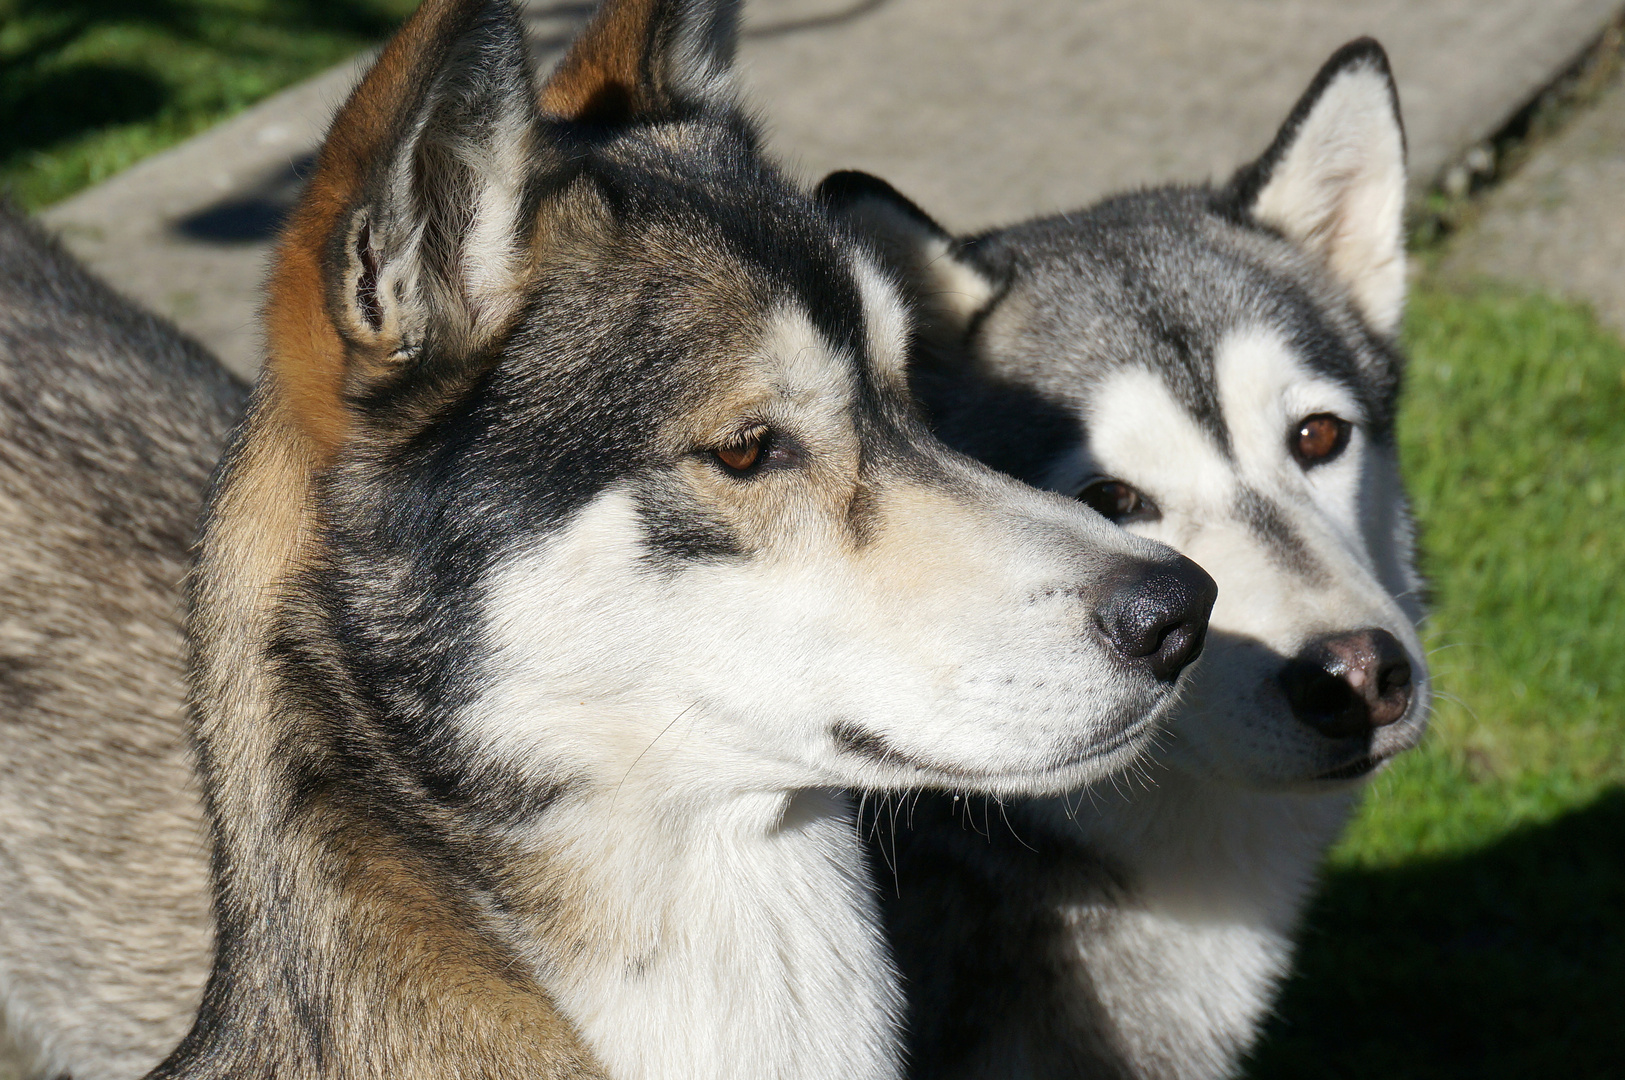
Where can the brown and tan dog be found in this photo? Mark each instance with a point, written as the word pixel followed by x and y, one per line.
pixel 580 543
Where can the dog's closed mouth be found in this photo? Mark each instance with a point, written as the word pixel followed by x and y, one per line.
pixel 853 739
pixel 1353 770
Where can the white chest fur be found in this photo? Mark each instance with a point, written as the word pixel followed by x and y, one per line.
pixel 742 944
pixel 1185 964
pixel 1184 997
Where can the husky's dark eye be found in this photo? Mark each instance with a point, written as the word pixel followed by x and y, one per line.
pixel 741 458
pixel 1117 502
pixel 1319 438
pixel 756 449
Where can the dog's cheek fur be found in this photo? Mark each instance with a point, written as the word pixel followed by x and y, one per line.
pixel 766 662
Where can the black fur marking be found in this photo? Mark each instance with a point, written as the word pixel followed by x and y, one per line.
pixel 840 190
pixel 678 532
pixel 863 514
pixel 852 739
pixel 1189 369
pixel 18 692
pixel 1264 518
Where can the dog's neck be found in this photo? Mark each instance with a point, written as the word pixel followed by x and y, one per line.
pixel 1184 960
pixel 735 938
pixel 1207 850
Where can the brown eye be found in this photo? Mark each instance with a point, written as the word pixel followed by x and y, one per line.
pixel 1319 438
pixel 745 453
pixel 1117 502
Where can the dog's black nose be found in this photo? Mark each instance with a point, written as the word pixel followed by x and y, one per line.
pixel 1349 684
pixel 1157 615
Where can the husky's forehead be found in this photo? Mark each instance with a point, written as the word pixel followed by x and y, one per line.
pixel 694 202
pixel 683 284
pixel 1159 281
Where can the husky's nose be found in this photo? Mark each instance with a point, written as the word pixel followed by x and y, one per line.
pixel 1349 684
pixel 1156 617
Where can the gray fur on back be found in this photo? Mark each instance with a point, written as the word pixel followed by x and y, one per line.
pixel 110 422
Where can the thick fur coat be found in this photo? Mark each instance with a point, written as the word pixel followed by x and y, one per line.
pixel 110 422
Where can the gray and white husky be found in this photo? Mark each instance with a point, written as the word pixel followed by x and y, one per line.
pixel 581 543
pixel 1214 368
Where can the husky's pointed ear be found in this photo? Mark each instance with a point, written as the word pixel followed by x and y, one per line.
pixel 1334 180
pixel 946 286
pixel 413 232
pixel 648 60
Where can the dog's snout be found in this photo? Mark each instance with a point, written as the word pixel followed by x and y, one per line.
pixel 1349 684
pixel 1156 616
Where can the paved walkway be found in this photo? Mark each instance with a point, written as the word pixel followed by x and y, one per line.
pixel 1559 223
pixel 983 110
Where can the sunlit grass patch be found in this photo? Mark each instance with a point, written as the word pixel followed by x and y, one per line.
pixel 89 87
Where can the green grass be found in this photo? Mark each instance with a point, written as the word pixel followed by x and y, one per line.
pixel 88 87
pixel 1473 920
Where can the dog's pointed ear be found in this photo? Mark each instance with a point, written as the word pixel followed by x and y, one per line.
pixel 1334 180
pixel 411 248
pixel 947 287
pixel 648 59
pixel 413 230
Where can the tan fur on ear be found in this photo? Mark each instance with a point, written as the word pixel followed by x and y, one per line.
pixel 645 59
pixel 305 353
pixel 602 76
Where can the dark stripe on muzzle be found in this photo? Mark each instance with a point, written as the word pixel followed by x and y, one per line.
pixel 1265 518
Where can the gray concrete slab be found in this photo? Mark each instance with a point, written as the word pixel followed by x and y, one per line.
pixel 1559 222
pixel 990 111
pixel 983 110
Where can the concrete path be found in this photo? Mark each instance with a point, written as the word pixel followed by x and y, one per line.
pixel 1557 224
pixel 990 110
pixel 983 110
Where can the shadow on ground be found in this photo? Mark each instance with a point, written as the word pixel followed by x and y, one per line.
pixel 39 108
pixel 1508 962
pixel 255 214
